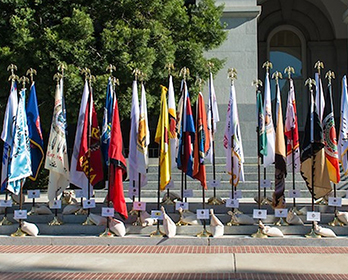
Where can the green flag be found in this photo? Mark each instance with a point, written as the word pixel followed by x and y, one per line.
pixel 262 149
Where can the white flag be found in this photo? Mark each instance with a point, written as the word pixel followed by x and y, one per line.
pixel 343 135
pixel 133 173
pixel 56 155
pixel 172 122
pixel 79 178
pixel 270 133
pixel 212 116
pixel 319 96
pixel 232 131
pixel 8 130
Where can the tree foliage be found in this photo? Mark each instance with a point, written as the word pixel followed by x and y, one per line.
pixel 95 33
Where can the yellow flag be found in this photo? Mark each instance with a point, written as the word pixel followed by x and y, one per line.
pixel 163 140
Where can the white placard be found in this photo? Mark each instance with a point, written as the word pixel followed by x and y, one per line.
pixel 20 214
pixel 33 193
pixel 79 193
pixel 132 192
pixel 335 201
pixel 265 183
pixel 170 185
pixel 56 204
pixel 183 205
pixel 232 203
pixel 260 214
pixel 188 193
pixel 214 183
pixel 108 211
pixel 139 205
pixel 156 214
pixel 281 213
pixel 6 203
pixel 88 203
pixel 203 214
pixel 313 216
pixel 294 193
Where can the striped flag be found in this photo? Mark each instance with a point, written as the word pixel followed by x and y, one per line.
pixel 172 122
pixel 343 136
pixel 262 148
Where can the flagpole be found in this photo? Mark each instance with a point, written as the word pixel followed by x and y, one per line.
pixel 259 233
pixel 13 77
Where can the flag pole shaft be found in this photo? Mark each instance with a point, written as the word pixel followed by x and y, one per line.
pixel 159 186
pixel 212 135
pixel 139 192
pixel 204 222
pixel 182 185
pixel 185 186
pixel 264 177
pixel 293 166
pixel 21 202
pixel 312 150
pixel 232 167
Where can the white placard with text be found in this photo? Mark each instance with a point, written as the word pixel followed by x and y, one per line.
pixel 260 214
pixel 313 216
pixel 88 203
pixel 188 193
pixel 232 203
pixel 108 211
pixel 33 193
pixel 139 205
pixel 203 214
pixel 156 214
pixel 182 205
pixel 56 204
pixel 281 213
pixel 20 214
pixel 214 183
pixel 6 203
pixel 265 183
pixel 294 193
pixel 335 201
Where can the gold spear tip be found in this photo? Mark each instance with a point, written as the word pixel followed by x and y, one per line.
pixel 288 70
pixel 319 64
pixel 184 72
pixel 11 67
pixel 310 82
pixel 62 66
pixel 330 75
pixel 268 65
pixel 86 71
pixel 24 80
pixel 169 66
pixel 111 68
pixel 232 74
pixel 256 83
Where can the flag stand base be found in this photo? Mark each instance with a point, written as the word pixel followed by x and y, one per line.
pixel 336 222
pixel 167 201
pixel 157 233
pixel 204 233
pixel 55 222
pixel 312 234
pixel 281 222
pixel 259 234
pixel 298 212
pixel 266 201
pixel 19 233
pixel 88 222
pixel 215 201
pixel 5 222
pixel 137 222
pixel 232 223
pixel 32 211
pixel 133 212
pixel 81 211
pixel 181 222
pixel 107 233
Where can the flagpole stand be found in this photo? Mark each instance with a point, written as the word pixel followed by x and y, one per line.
pixel 55 222
pixel 281 222
pixel 19 233
pixel 204 233
pixel 157 233
pixel 137 222
pixel 88 222
pixel 133 212
pixel 259 233
pixel 312 234
pixel 298 212
pixel 232 223
pixel 215 201
pixel 81 211
pixel 32 211
pixel 336 222
pixel 167 201
pixel 181 222
pixel 5 222
pixel 266 201
pixel 107 233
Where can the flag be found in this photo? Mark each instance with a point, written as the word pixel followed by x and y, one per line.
pixel 280 157
pixel 291 130
pixel 162 138
pixel 19 166
pixel 172 122
pixel 201 142
pixel 319 96
pixel 330 139
pixel 57 161
pixel 118 165
pixel 185 153
pixel 107 119
pixel 343 136
pixel 262 148
pixel 133 173
pixel 213 115
pixel 90 156
pixel 313 155
pixel 143 138
pixel 234 150
pixel 35 134
pixel 8 131
pixel 269 128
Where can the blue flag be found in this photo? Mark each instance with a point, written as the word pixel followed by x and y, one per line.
pixel 19 164
pixel 35 134
pixel 107 119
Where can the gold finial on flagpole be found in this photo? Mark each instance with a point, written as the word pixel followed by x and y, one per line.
pixel 268 65
pixel 169 67
pixel 62 67
pixel 111 68
pixel 87 72
pixel 184 73
pixel 232 74
pixel 199 82
pixel 288 70
pixel 57 77
pixel 277 75
pixel 31 72
pixel 91 79
pixel 136 73
pixel 310 82
pixel 318 65
pixel 142 76
pixel 210 65
pixel 24 80
pixel 12 68
pixel 330 75
pixel 257 84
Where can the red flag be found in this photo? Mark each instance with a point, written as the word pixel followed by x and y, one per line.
pixel 91 158
pixel 118 166
pixel 202 142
